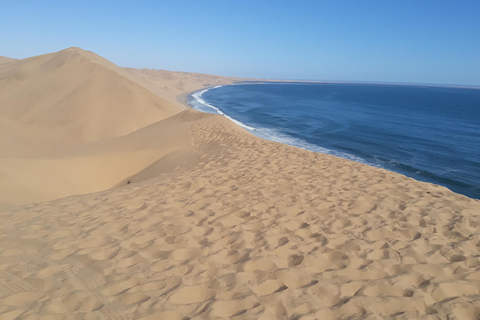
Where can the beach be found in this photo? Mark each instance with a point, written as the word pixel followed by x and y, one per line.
pixel 426 133
pixel 185 215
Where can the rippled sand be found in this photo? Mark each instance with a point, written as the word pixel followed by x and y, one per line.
pixel 242 228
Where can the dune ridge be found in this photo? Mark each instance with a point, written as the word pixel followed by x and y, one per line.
pixel 55 109
pixel 220 224
pixel 73 97
pixel 5 60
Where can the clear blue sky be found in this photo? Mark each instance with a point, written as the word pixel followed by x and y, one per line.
pixel 421 41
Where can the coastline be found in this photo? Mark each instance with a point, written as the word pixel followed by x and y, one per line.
pixel 272 134
pixel 192 216
pixel 183 98
pixel 245 227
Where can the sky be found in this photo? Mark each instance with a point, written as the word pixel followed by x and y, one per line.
pixel 411 41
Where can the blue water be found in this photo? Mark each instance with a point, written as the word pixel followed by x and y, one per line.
pixel 428 133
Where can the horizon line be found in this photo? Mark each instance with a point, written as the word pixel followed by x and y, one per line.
pixel 259 80
pixel 417 84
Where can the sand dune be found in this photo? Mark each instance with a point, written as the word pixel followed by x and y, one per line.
pixel 72 97
pixel 210 222
pixel 5 60
pixel 173 86
pixel 251 230
pixel 90 167
pixel 56 108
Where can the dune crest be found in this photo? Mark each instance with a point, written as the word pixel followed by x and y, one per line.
pixel 5 60
pixel 60 115
pixel 72 97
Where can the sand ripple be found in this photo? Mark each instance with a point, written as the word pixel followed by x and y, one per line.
pixel 253 230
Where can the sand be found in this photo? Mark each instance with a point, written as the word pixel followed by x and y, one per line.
pixel 207 221
pixel 5 60
pixel 175 86
pixel 60 113
pixel 71 97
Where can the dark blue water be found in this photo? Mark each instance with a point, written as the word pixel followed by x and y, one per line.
pixel 428 133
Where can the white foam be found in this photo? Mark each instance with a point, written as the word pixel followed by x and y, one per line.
pixel 198 97
pixel 277 136
pixel 273 134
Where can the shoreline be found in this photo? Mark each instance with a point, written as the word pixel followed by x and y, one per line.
pixel 252 230
pixel 292 141
pixel 190 216
pixel 183 98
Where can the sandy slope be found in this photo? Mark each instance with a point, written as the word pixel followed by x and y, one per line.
pixel 210 222
pixel 53 106
pixel 71 97
pixel 249 229
pixel 90 167
pixel 173 85
pixel 5 60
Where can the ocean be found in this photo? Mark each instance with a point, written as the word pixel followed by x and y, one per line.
pixel 428 133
